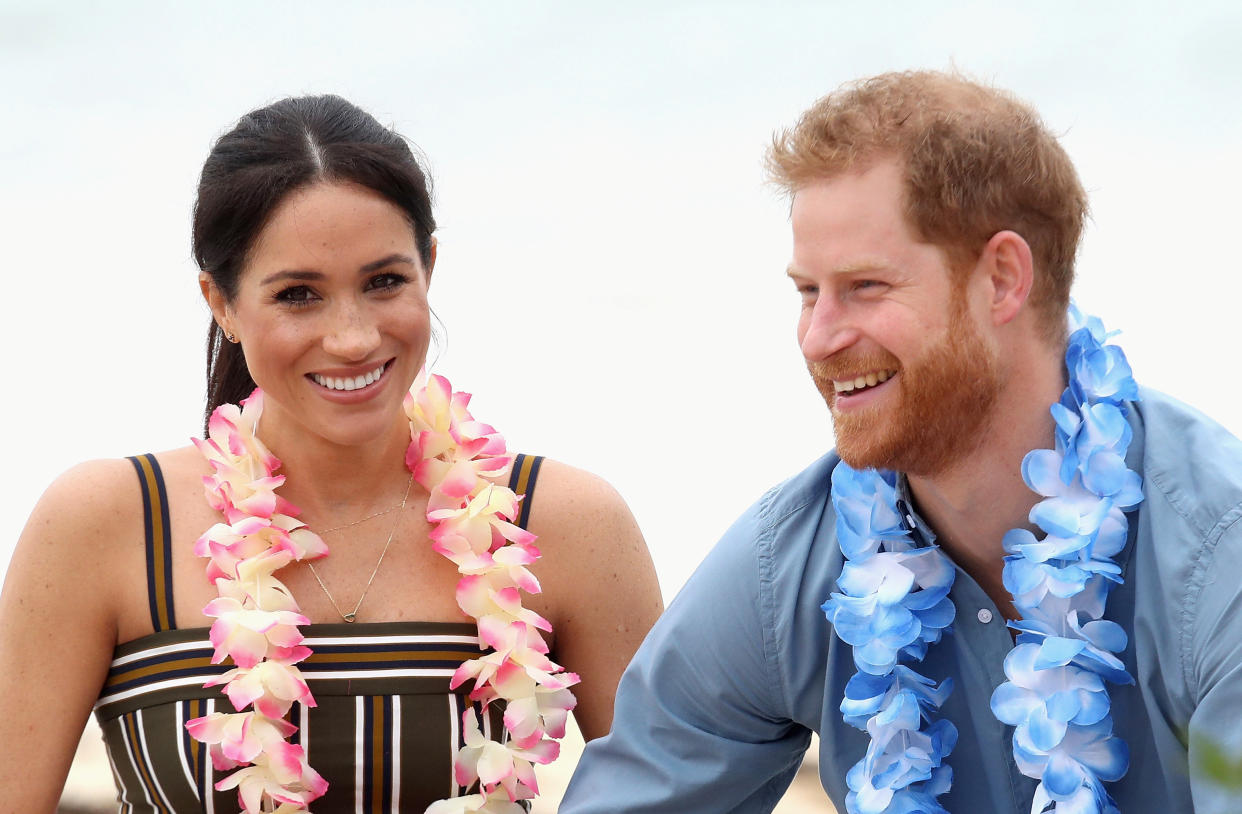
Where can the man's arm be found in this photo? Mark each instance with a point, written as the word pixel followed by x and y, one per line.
pixel 1216 664
pixel 701 722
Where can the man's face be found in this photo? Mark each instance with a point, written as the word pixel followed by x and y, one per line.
pixel 886 331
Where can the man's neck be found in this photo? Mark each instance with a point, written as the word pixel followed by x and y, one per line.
pixel 973 503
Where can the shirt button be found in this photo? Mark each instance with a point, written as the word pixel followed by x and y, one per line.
pixel 984 615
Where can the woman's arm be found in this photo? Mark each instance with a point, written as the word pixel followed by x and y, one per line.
pixel 58 625
pixel 598 580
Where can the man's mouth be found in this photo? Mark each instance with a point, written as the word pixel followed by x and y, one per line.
pixel 861 383
pixel 350 382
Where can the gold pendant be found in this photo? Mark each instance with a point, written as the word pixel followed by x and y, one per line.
pixel 349 617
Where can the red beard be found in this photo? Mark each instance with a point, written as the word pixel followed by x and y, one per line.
pixel 945 400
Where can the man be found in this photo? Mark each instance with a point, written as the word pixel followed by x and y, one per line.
pixel 935 224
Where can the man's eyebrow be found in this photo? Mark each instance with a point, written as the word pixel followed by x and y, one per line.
pixel 857 267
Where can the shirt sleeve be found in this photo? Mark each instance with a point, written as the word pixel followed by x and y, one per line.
pixel 1216 640
pixel 701 723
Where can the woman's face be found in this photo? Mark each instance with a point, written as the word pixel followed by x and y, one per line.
pixel 331 312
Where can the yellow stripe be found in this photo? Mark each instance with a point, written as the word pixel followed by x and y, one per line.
pixel 196 711
pixel 140 757
pixel 157 536
pixel 524 474
pixel 204 662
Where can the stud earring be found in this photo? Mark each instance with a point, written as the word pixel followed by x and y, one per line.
pixel 230 337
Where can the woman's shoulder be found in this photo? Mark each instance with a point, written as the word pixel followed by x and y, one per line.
pixel 105 494
pixel 586 532
pixel 567 499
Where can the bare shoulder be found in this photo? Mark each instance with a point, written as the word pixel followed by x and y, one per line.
pixel 570 507
pixel 598 580
pixel 91 516
pixel 92 500
pixel 590 542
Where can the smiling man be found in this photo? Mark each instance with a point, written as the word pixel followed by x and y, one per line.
pixel 1011 587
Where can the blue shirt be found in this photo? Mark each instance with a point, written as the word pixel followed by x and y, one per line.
pixel 717 708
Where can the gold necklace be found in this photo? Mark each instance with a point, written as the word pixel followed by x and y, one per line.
pixel 352 616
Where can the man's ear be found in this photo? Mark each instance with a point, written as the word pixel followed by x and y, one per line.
pixel 217 302
pixel 1010 271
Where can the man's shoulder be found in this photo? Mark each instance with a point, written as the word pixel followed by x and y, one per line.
pixel 1189 461
pixel 810 487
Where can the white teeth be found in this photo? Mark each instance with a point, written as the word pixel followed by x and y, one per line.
pixel 869 380
pixel 349 383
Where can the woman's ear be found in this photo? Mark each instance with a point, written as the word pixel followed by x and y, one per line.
pixel 217 302
pixel 431 259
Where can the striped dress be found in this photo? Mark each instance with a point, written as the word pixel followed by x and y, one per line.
pixel 383 734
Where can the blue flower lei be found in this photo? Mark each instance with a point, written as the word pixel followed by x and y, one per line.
pixel 894 602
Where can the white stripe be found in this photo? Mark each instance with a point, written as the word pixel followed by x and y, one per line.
pixel 133 762
pixel 454 735
pixel 182 681
pixel 304 729
pixel 359 751
pixel 315 641
pixel 312 641
pixel 146 754
pixel 395 745
pixel 185 759
pixel 436 672
pixel 162 651
pixel 116 776
pixel 197 680
pixel 209 797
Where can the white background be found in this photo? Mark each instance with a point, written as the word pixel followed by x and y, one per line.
pixel 611 264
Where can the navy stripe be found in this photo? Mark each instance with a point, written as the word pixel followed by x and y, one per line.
pixel 515 473
pixel 166 525
pixel 205 672
pixel 417 647
pixel 386 791
pixel 148 531
pixel 524 514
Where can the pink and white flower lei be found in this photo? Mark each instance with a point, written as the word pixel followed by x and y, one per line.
pixel 460 462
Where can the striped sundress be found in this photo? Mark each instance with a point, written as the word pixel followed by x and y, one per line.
pixel 384 731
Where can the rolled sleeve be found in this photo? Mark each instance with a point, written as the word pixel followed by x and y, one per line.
pixel 701 723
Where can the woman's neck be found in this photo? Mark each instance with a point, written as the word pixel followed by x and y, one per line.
pixel 335 482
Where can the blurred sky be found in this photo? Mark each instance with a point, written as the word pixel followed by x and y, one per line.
pixel 611 265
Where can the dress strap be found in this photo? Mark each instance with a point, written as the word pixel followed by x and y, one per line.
pixel 158 531
pixel 522 481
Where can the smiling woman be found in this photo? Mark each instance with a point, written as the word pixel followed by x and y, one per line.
pixel 403 671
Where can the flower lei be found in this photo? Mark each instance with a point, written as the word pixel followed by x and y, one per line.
pixel 894 603
pixel 458 460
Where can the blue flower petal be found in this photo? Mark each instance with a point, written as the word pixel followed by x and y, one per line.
pixel 1057 651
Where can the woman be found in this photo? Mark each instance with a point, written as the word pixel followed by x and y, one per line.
pixel 314 233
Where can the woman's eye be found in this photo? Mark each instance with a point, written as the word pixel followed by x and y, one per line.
pixel 383 282
pixel 296 296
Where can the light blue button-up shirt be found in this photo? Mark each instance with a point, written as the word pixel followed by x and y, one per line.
pixel 717 708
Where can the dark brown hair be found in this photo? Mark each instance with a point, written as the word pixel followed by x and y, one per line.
pixel 270 153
